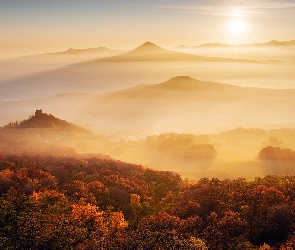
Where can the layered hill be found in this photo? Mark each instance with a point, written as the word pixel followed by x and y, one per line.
pixel 179 104
pixel 272 43
pixel 101 50
pixel 139 66
pixel 272 51
pixel 186 102
pixel 27 65
pixel 152 52
pixel 189 154
pixel 46 134
pixel 43 120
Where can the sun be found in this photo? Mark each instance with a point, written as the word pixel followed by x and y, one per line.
pixel 237 26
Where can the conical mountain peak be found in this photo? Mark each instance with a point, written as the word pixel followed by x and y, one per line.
pixel 148 48
pixel 179 82
pixel 182 78
pixel 149 45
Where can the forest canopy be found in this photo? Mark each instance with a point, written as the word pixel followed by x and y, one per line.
pixel 95 202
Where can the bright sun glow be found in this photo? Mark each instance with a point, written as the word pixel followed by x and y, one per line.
pixel 237 26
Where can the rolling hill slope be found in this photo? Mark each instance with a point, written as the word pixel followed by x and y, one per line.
pixel 181 104
pixel 25 66
pixel 139 66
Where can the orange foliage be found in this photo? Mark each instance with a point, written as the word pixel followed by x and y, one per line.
pixel 99 203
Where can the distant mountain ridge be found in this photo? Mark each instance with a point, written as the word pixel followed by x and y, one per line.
pixel 273 43
pixel 72 78
pixel 266 44
pixel 149 51
pixel 27 65
pixel 179 101
pixel 72 51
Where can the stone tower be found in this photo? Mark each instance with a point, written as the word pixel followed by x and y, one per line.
pixel 38 113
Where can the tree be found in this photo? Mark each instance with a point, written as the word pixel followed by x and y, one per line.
pixel 136 208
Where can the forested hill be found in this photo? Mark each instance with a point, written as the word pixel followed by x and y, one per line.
pixel 94 202
pixel 45 134
pixel 44 120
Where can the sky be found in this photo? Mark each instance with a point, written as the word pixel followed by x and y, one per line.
pixel 36 26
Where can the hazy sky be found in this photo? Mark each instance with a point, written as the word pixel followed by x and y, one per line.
pixel 29 26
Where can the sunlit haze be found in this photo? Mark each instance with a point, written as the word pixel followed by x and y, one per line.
pixel 237 26
pixel 147 124
pixel 195 87
pixel 33 27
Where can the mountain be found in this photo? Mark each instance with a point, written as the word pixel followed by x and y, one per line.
pixel 210 45
pixel 151 52
pixel 184 83
pixel 71 51
pixel 179 104
pixel 272 43
pixel 32 64
pixel 43 120
pixel 45 134
pixel 147 49
pixel 184 103
pixel 181 47
pixel 178 86
pixel 291 42
pixel 267 52
pixel 139 66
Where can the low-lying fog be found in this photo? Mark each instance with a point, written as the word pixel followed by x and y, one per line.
pixel 14 68
pixel 103 77
pixel 262 53
pixel 133 97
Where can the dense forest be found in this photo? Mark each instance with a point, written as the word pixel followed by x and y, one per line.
pixel 56 192
pixel 95 202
